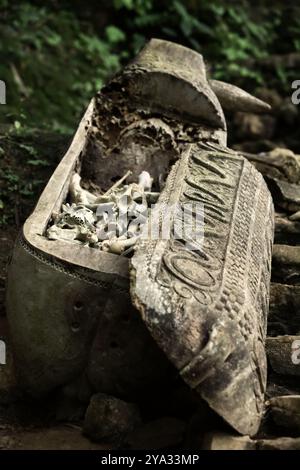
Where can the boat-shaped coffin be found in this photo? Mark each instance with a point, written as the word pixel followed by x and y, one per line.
pixel 68 305
pixel 69 309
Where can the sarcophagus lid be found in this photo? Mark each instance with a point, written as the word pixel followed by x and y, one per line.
pixel 205 300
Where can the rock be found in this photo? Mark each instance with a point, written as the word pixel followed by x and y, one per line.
pixel 253 126
pixel 281 443
pixel 284 310
pixel 287 230
pixel 279 384
pixel 286 264
pixel 222 441
pixel 277 388
pixel 284 354
pixel 279 163
pixel 109 418
pixel 254 146
pixel 285 410
pixel 55 438
pixel 285 195
pixel 158 434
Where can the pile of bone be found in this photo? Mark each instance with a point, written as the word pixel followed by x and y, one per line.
pixel 110 222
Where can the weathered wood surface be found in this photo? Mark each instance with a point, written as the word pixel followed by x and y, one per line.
pixel 207 308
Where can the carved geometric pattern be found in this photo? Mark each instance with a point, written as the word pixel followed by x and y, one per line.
pixel 207 308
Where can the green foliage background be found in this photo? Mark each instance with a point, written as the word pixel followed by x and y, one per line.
pixel 56 54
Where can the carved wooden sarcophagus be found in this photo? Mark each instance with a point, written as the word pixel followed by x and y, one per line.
pixel 203 304
pixel 207 307
pixel 68 305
